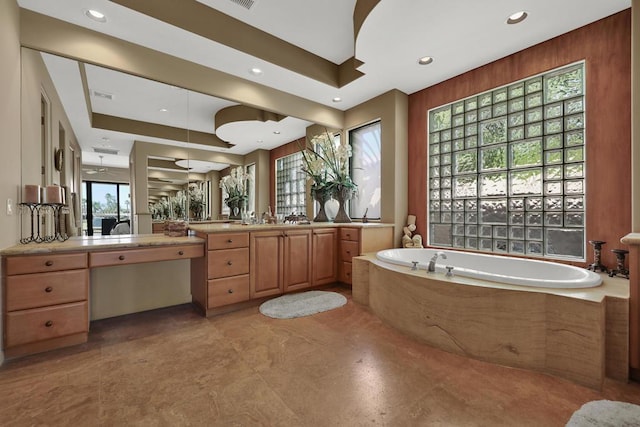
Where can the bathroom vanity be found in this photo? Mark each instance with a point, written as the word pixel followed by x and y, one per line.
pixel 46 297
pixel 245 263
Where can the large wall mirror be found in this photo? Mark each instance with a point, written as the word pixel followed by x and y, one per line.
pixel 135 149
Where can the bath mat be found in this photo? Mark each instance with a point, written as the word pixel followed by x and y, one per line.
pixel 302 304
pixel 606 413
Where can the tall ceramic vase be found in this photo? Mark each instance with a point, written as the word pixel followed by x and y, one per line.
pixel 342 194
pixel 321 196
pixel 234 209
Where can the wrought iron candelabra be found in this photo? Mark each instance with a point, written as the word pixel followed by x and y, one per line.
pixel 597 249
pixel 40 210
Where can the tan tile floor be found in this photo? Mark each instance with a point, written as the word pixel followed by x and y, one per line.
pixel 171 367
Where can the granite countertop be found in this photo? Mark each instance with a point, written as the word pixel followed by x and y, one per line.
pixel 96 243
pixel 221 228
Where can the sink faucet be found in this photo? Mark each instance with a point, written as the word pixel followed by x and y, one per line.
pixel 432 264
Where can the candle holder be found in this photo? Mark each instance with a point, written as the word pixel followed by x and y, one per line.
pixel 620 268
pixel 597 249
pixel 38 211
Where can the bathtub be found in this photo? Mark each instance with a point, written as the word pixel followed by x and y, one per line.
pixel 495 268
pixel 539 323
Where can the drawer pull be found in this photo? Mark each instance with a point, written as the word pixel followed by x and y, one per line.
pixel 348 235
pixel 49 263
pixel 180 252
pixel 48 289
pixel 121 257
pixel 348 274
pixel 48 324
pixel 230 291
pixel 229 241
pixel 229 263
pixel 349 252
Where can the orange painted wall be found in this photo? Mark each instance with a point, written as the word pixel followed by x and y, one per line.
pixel 606 48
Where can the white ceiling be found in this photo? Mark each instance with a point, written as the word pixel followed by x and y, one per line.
pixel 459 34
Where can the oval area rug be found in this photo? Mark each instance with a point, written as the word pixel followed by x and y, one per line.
pixel 606 413
pixel 302 304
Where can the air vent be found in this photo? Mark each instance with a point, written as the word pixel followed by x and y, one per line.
pixel 105 150
pixel 247 4
pixel 103 95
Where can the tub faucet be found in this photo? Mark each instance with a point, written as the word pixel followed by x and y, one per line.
pixel 432 264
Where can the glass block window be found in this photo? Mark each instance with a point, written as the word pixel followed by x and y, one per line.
pixel 290 185
pixel 507 168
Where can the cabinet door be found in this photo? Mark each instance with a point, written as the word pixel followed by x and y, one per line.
pixel 266 272
pixel 297 260
pixel 324 256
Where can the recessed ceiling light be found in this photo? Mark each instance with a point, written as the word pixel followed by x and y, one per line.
pixel 259 141
pixel 95 15
pixel 255 71
pixel 337 99
pixel 276 132
pixel 425 60
pixel 163 110
pixel 517 17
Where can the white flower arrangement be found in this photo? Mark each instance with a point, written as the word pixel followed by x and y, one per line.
pixel 236 185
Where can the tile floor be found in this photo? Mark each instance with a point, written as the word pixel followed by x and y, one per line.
pixel 171 367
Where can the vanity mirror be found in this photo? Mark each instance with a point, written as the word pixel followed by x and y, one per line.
pixel 120 129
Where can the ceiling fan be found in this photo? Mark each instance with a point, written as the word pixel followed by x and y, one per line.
pixel 102 169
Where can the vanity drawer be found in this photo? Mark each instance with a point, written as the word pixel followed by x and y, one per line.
pixel 348 250
pixel 347 233
pixel 42 263
pixel 345 273
pixel 42 289
pixel 227 240
pixel 228 291
pixel 39 324
pixel 228 262
pixel 151 254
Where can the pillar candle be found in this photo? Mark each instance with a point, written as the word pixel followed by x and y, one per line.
pixel 31 194
pixel 53 194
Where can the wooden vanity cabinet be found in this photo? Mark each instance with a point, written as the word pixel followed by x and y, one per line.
pixel 221 277
pixel 357 241
pixel 324 256
pixel 297 260
pixel 266 258
pixel 45 302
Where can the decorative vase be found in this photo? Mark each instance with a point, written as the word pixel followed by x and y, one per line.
pixel 234 208
pixel 342 194
pixel 321 196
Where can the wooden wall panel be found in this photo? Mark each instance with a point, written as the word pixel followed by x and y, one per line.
pixel 606 48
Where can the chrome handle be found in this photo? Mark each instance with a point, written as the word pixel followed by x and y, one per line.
pixel 48 289
pixel 48 324
pixel 415 265
pixel 449 271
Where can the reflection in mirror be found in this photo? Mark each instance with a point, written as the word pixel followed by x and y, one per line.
pixel 160 140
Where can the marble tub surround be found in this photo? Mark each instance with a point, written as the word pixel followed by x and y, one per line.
pixel 580 335
pixel 342 367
